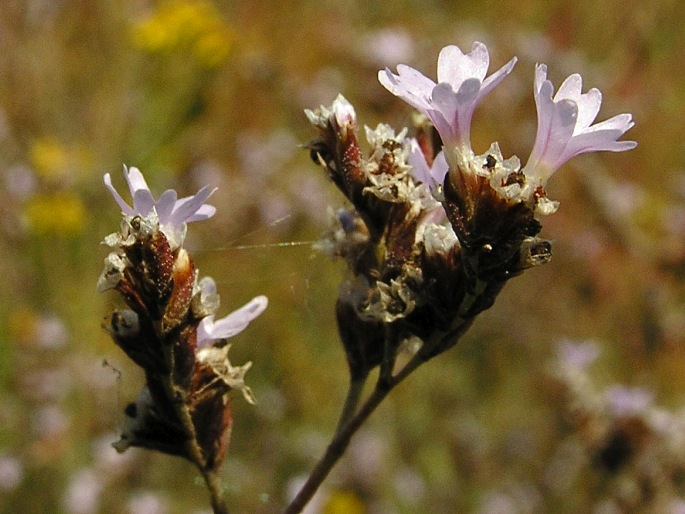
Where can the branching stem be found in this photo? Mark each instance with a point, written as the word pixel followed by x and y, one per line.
pixel 346 430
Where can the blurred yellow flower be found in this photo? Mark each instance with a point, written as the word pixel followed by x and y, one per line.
pixel 48 157
pixel 60 213
pixel 53 160
pixel 344 502
pixel 187 26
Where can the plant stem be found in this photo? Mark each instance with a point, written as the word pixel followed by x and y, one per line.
pixel 354 393
pixel 216 492
pixel 345 431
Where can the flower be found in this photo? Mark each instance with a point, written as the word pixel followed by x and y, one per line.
pixel 434 175
pixel 172 213
pixel 565 126
pixel 450 103
pixel 209 330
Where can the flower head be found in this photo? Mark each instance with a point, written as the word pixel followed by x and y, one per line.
pixel 171 212
pixel 450 103
pixel 565 125
pixel 209 330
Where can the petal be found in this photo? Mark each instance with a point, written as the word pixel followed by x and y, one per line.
pixel 570 89
pixel 551 140
pixel 143 202
pixel 232 324
pixel 588 107
pixel 497 77
pixel 135 180
pixel 165 205
pixel 621 122
pixel 187 207
pixel 454 67
pixel 417 160
pixel 440 168
pixel 540 77
pixel 203 213
pixel 410 85
pixel 125 208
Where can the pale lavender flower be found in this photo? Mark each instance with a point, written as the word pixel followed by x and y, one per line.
pixel 450 103
pixel 565 126
pixel 171 211
pixel 625 401
pixel 434 175
pixel 209 330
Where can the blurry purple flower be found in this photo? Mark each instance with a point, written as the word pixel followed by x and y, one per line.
pixel 628 401
pixel 11 472
pixel 147 503
pixel 565 125
pixel 433 176
pixel 209 330
pixel 171 211
pixel 577 355
pixel 83 493
pixel 450 103
pixel 387 46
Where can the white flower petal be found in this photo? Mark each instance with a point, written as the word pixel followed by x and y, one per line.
pixel 209 330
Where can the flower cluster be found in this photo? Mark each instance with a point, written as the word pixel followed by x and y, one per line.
pixel 170 330
pixel 632 447
pixel 435 230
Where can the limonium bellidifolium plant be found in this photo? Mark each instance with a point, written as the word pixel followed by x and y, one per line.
pixel 432 234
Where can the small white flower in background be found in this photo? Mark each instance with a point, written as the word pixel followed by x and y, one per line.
pixel 172 214
pixel 209 330
pixel 450 103
pixel 565 126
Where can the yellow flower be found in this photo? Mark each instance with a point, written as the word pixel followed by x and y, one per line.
pixel 185 26
pixel 54 161
pixel 57 213
pixel 344 502
pixel 48 157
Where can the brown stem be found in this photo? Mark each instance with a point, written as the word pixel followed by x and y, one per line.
pixel 216 492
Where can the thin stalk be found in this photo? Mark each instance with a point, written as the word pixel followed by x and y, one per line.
pixel 354 393
pixel 216 492
pixel 343 435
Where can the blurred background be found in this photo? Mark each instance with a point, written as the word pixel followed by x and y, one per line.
pixel 566 396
